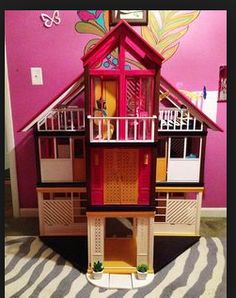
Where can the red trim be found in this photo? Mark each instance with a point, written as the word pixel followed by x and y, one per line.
pixel 106 73
pixel 194 109
pixel 119 28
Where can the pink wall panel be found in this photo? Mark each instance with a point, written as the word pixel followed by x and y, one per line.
pixel 144 176
pixel 97 176
pixel 215 163
pixel 58 50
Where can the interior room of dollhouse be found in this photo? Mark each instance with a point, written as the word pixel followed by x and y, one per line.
pixel 112 129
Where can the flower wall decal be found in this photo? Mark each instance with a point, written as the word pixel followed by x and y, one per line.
pixel 163 32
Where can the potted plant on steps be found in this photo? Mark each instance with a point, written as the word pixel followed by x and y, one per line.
pixel 97 270
pixel 142 271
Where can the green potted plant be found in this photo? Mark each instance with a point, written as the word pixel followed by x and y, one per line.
pixel 142 271
pixel 97 270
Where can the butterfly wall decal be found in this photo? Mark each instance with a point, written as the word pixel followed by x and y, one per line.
pixel 48 21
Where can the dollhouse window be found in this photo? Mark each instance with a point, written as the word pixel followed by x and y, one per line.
pixel 78 148
pixel 193 147
pixel 63 147
pixel 139 96
pixel 177 148
pixel 47 147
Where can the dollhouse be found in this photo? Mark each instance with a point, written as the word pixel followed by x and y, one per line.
pixel 120 155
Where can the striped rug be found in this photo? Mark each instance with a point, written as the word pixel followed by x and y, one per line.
pixel 33 270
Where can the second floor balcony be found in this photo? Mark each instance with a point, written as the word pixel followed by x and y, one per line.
pixel 122 129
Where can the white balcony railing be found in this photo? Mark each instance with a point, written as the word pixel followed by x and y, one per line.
pixel 63 119
pixel 122 129
pixel 173 119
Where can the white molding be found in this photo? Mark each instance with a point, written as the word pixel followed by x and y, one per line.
pixel 213 212
pixel 11 144
pixel 29 212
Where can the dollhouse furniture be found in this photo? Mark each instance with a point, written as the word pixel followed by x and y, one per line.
pixel 115 162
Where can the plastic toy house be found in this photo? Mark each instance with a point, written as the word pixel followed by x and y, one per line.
pixel 120 155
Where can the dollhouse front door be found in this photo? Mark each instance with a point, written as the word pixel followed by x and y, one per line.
pixel 120 176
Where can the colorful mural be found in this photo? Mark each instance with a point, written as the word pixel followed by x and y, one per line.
pixel 164 30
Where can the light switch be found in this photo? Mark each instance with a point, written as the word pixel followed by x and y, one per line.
pixel 36 76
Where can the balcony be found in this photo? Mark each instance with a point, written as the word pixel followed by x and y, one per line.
pixel 63 119
pixel 173 119
pixel 122 129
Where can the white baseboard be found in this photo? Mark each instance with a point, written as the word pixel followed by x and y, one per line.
pixel 213 212
pixel 29 212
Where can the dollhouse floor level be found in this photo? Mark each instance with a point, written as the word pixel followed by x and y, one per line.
pixel 120 281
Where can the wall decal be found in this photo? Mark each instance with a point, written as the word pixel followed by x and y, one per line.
pixel 163 32
pixel 48 21
pixel 164 29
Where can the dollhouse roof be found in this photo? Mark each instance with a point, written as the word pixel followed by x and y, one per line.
pixel 77 86
pixel 178 96
pixel 65 97
pixel 131 39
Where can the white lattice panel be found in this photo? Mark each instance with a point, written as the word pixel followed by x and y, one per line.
pixel 181 211
pixel 57 212
pixel 98 229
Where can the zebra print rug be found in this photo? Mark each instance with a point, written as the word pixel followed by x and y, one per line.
pixel 33 270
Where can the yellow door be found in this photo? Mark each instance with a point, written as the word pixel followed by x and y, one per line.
pixel 161 166
pixel 120 176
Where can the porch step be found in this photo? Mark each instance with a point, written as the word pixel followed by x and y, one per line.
pixel 120 281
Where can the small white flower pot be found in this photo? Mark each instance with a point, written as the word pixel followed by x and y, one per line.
pixel 97 275
pixel 142 275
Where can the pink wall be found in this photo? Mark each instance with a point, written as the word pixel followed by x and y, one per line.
pixel 215 163
pixel 58 51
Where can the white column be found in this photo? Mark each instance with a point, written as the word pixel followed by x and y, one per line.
pixel 11 144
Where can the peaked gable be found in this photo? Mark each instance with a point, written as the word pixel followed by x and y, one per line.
pixel 131 38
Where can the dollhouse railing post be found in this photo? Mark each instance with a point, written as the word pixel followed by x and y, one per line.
pixel 99 129
pixel 72 119
pixel 188 118
pixel 144 129
pixel 65 120
pixel 175 118
pixel 168 119
pixel 194 123
pixel 126 129
pixel 117 129
pixel 108 130
pixel 135 129
pixel 153 128
pixel 181 119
